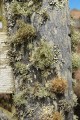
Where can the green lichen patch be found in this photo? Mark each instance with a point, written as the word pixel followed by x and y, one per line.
pixel 25 33
pixel 44 56
pixel 25 8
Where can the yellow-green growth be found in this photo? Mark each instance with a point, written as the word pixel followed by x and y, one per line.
pixel 25 33
pixel 43 55
pixel 25 8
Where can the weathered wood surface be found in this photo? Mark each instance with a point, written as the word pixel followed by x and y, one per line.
pixel 6 77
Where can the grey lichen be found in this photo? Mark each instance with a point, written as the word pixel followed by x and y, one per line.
pixel 57 3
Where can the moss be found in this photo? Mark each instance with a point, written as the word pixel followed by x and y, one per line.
pixel 57 116
pixel 43 56
pixel 21 68
pixel 25 33
pixel 40 91
pixel 59 85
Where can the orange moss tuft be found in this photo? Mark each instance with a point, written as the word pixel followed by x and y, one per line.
pixel 59 85
pixel 57 116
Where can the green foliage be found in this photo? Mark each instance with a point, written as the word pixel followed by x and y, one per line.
pixel 44 56
pixel 75 61
pixel 25 33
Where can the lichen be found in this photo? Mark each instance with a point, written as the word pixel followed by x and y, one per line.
pixel 25 8
pixel 34 64
pixel 57 3
pixel 25 33
pixel 44 56
pixel 68 105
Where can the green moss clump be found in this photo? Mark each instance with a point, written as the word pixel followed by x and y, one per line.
pixel 25 33
pixel 43 56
